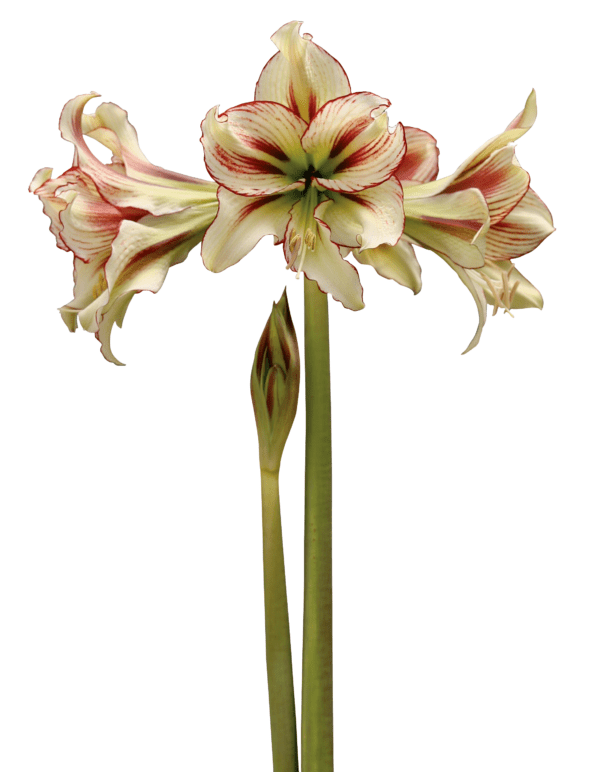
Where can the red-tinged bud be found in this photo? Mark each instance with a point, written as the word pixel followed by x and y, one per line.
pixel 275 383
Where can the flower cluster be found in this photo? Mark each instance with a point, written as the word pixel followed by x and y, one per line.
pixel 126 222
pixel 309 162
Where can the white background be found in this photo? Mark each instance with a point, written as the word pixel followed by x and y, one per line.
pixel 466 534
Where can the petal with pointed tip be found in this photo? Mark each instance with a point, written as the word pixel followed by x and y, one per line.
pixel 365 219
pixel 45 188
pixel 350 144
pixel 241 223
pixel 466 276
pixel 141 255
pixel 116 187
pixel 89 284
pixel 514 131
pixel 110 126
pixel 302 76
pixel 521 231
pixel 501 180
pixel 396 262
pixel 454 224
pixel 511 289
pixel 254 149
pixel 420 162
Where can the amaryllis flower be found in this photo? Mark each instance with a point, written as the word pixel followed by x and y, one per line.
pixel 479 218
pixel 308 162
pixel 127 222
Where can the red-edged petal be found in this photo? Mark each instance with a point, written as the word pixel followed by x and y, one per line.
pixel 110 126
pixel 45 187
pixel 254 149
pixel 397 262
pixel 241 223
pixel 420 162
pixel 116 187
pixel 501 180
pixel 302 76
pixel 141 256
pixel 521 231
pixel 308 248
pixel 452 224
pixel 350 144
pixel 514 131
pixel 367 218
pixel 82 221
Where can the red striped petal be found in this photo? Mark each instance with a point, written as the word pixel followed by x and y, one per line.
pixel 254 149
pixel 521 231
pixel 302 76
pixel 367 218
pixel 501 180
pixel 351 145
pixel 241 223
pixel 420 162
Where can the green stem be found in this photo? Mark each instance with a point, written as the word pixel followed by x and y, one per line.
pixel 317 670
pixel 277 627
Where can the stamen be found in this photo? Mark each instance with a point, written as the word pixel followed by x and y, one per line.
pixel 310 239
pixel 494 291
pixel 294 247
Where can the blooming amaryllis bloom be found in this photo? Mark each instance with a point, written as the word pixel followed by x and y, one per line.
pixel 308 162
pixel 126 222
pixel 479 218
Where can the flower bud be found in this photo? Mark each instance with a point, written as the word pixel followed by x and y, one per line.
pixel 275 383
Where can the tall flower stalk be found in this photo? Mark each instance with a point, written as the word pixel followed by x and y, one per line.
pixel 317 647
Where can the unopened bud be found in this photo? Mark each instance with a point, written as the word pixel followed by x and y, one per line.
pixel 275 384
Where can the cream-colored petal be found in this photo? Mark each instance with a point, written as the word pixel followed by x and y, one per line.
pixel 500 179
pixel 350 145
pixel 45 188
pixel 505 287
pixel 469 280
pixel 254 149
pixel 521 231
pixel 141 255
pixel 308 248
pixel 514 131
pixel 302 76
pixel 113 313
pixel 241 223
pixel 420 162
pixel 453 224
pixel 144 250
pixel 89 222
pixel 110 126
pixel 396 262
pixel 89 293
pixel 365 219
pixel 117 188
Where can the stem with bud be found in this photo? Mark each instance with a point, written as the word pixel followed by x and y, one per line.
pixel 274 386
